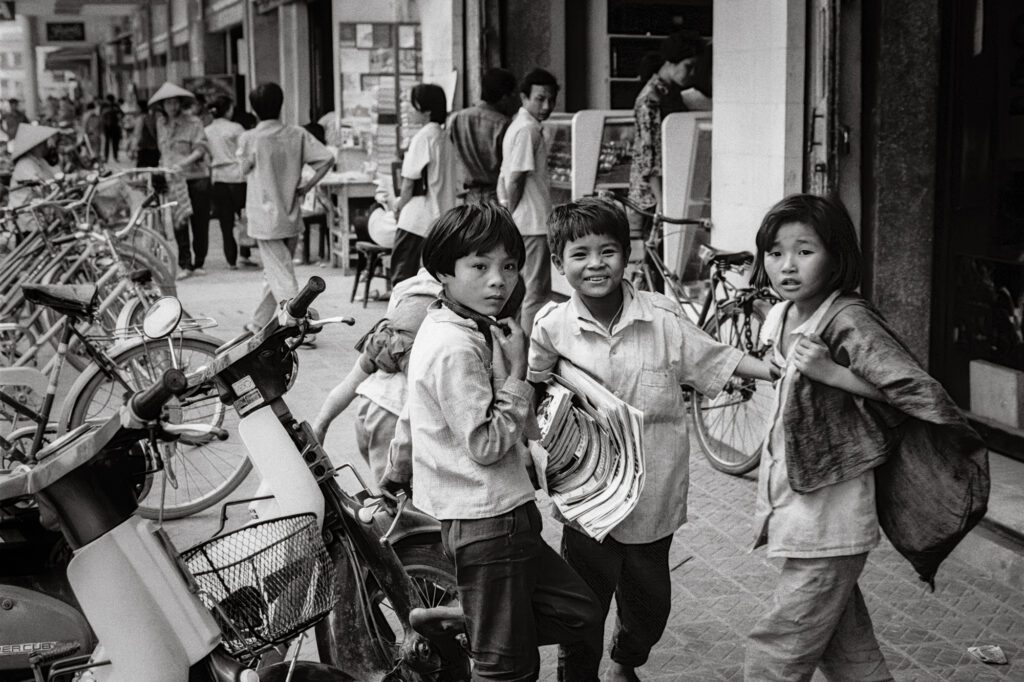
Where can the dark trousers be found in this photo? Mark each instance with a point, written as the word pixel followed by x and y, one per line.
pixel 639 578
pixel 405 256
pixel 228 200
pixel 193 255
pixel 517 593
pixel 111 143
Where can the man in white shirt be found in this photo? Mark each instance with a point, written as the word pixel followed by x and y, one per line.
pixel 272 156
pixel 524 186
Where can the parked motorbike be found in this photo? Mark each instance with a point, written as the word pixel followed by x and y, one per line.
pixel 386 561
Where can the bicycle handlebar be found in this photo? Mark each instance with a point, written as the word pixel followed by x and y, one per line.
pixel 656 216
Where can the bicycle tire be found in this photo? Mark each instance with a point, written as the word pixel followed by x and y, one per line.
pixel 207 471
pixel 731 427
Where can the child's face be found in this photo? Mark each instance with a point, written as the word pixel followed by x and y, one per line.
pixel 593 264
pixel 798 264
pixel 482 281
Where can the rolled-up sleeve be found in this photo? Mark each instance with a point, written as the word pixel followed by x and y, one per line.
pixel 706 364
pixel 486 423
pixel 543 357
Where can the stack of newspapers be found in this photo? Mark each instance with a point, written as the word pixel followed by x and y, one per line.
pixel 590 454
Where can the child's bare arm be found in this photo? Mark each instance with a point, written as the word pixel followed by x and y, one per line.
pixel 340 397
pixel 758 369
pixel 812 358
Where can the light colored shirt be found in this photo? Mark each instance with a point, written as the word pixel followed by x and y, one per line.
pixel 223 136
pixel 837 520
pixel 390 389
pixel 271 156
pixel 477 133
pixel 467 435
pixel 642 359
pixel 177 138
pixel 525 150
pixel 430 153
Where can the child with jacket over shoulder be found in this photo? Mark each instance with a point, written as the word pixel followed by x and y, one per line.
pixel 461 442
pixel 641 346
pixel 816 507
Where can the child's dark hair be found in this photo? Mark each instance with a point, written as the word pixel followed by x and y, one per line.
pixel 220 105
pixel 538 77
pixel 828 217
pixel 266 100
pixel 430 98
pixel 467 230
pixel 588 215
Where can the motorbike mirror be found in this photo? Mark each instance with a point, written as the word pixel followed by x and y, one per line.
pixel 59 176
pixel 162 318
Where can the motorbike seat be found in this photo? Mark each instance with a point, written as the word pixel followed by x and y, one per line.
pixel 73 300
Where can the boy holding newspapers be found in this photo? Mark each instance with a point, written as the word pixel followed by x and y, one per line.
pixel 641 347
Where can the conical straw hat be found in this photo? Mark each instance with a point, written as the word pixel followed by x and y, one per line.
pixel 169 90
pixel 27 137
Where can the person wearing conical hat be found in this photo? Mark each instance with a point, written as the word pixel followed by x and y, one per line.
pixel 184 147
pixel 28 150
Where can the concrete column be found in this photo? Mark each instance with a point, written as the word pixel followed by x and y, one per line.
pixel 197 36
pixel 28 35
pixel 264 49
pixel 293 37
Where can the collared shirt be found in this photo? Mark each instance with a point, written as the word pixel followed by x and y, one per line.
pixel 642 359
pixel 656 100
pixel 837 520
pixel 467 434
pixel 223 138
pixel 178 138
pixel 430 153
pixel 272 156
pixel 390 389
pixel 477 134
pixel 525 150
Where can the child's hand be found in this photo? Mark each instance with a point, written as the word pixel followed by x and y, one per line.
pixel 512 346
pixel 812 358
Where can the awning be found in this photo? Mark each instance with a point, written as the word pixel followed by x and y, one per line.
pixel 69 58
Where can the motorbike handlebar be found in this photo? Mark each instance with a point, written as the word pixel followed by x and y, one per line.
pixel 147 404
pixel 299 305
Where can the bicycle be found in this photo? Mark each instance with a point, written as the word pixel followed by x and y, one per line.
pixel 731 427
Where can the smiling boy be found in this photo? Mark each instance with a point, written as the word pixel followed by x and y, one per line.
pixel 641 346
pixel 465 420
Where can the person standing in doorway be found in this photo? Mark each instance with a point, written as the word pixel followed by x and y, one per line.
pixel 660 96
pixel 185 148
pixel 477 133
pixel 524 185
pixel 271 156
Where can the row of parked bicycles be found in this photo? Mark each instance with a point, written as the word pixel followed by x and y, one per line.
pixel 161 422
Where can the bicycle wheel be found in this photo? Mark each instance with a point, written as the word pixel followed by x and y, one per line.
pixel 198 473
pixel 732 426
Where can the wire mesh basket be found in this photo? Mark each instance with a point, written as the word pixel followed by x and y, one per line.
pixel 264 583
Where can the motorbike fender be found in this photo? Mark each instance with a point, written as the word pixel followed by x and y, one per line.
pixel 32 621
pixel 413 524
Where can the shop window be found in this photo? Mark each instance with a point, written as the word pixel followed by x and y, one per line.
pixel 3 60
pixel 16 59
pixel 379 63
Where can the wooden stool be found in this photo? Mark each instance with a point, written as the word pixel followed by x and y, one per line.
pixel 372 258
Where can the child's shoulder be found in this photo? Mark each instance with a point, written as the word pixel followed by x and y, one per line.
pixel 661 306
pixel 551 315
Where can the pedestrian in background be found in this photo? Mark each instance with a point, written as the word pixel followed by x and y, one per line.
pixel 145 149
pixel 271 156
pixel 524 185
pixel 185 148
pixel 428 181
pixel 477 133
pixel 227 193
pixel 111 117
pixel 13 117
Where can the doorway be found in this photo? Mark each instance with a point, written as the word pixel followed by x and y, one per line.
pixel 321 59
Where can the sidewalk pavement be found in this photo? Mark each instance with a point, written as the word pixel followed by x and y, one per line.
pixel 719 588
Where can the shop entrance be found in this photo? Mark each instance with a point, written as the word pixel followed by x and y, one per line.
pixel 321 82
pixel 978 335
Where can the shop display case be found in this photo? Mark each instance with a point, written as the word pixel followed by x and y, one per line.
pixel 686 187
pixel 558 130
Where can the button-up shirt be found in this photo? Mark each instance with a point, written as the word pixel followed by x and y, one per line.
pixel 467 432
pixel 837 520
pixel 642 359
pixel 656 100
pixel 525 150
pixel 477 133
pixel 272 156
pixel 178 138
pixel 223 137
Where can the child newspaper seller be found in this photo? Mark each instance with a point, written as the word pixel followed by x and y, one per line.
pixel 641 347
pixel 465 419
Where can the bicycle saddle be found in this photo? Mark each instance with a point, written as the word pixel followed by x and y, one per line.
pixel 727 257
pixel 73 300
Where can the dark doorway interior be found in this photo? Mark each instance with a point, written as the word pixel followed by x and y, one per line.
pixel 321 83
